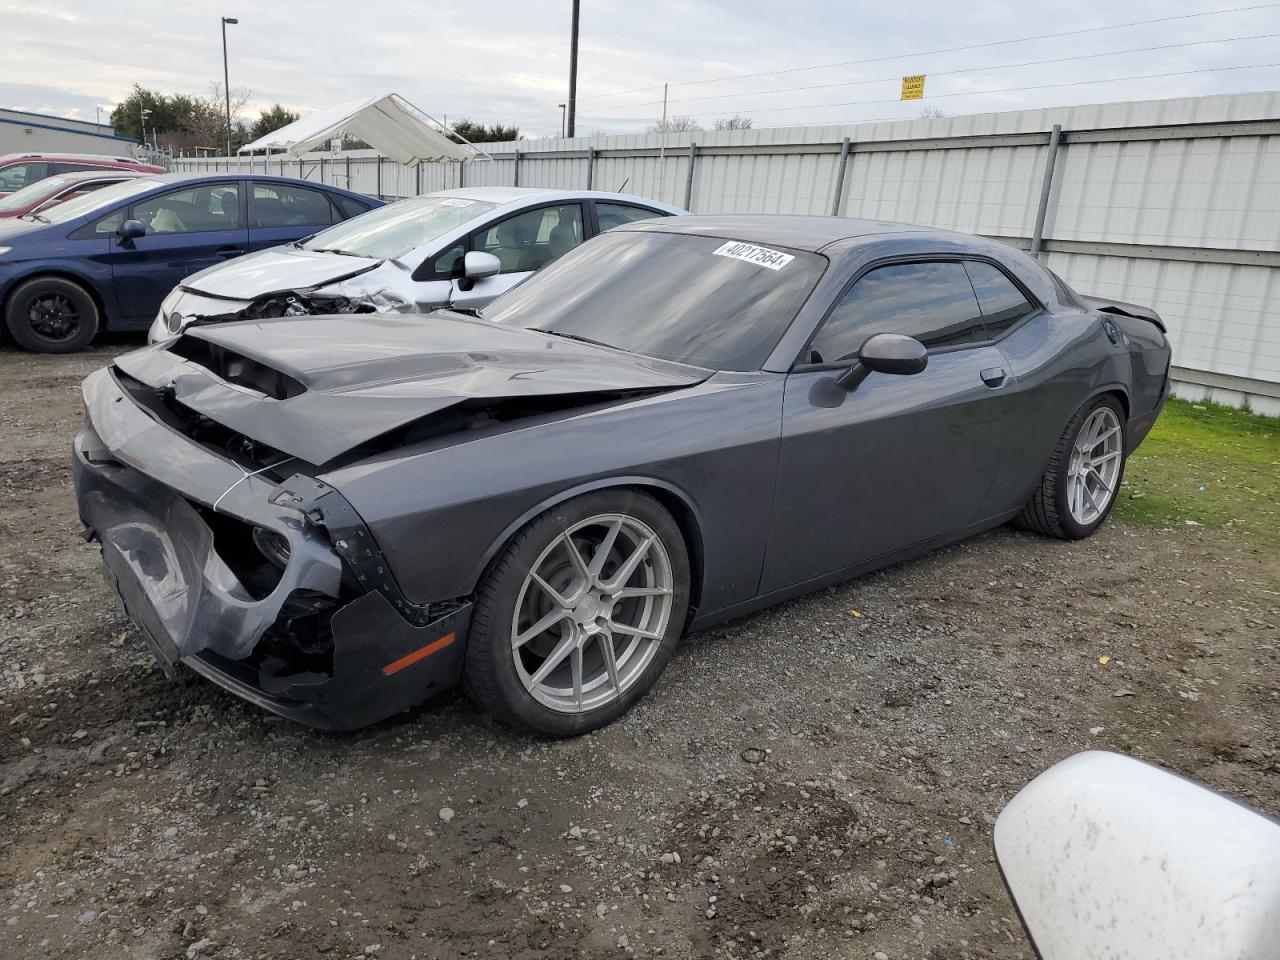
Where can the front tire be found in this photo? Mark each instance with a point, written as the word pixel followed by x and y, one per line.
pixel 51 315
pixel 578 616
pixel 1080 485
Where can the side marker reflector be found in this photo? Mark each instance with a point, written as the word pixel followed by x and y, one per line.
pixel 409 659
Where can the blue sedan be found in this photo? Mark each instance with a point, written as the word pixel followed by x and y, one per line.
pixel 106 260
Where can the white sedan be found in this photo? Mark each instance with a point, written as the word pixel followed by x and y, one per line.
pixel 455 248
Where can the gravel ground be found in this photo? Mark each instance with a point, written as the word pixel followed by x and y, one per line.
pixel 818 781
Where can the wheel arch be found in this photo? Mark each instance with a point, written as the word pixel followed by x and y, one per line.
pixel 676 501
pixel 60 273
pixel 1117 390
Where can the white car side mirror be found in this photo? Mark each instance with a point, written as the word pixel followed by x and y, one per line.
pixel 477 265
pixel 1108 857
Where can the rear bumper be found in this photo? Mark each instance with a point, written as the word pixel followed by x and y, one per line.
pixel 313 646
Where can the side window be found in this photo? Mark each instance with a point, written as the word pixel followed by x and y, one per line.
pixel 19 175
pixel 210 206
pixel 610 215
pixel 441 268
pixel 350 208
pixel 532 239
pixel 58 168
pixel 932 302
pixel 284 205
pixel 1002 303
pixel 99 228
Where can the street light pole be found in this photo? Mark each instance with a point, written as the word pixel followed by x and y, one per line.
pixel 561 120
pixel 573 69
pixel 143 113
pixel 226 78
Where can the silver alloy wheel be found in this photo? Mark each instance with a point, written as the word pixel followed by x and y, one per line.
pixel 1094 472
pixel 592 613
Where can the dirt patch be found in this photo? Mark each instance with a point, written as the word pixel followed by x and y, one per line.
pixel 827 781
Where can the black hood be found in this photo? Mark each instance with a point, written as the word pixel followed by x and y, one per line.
pixel 317 387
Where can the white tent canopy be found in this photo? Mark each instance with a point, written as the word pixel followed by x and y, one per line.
pixel 388 123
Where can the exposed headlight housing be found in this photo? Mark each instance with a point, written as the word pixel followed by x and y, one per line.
pixel 272 545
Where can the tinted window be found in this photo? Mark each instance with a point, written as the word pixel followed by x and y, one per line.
pixel 55 168
pixel 283 205
pixel 399 228
pixel 531 240
pixel 932 302
pixel 1002 303
pixel 19 175
pixel 610 215
pixel 667 295
pixel 350 208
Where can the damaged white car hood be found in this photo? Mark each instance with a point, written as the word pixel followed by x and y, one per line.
pixel 277 270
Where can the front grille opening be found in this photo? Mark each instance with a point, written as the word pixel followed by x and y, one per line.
pixel 236 368
pixel 300 641
pixel 210 434
pixel 233 541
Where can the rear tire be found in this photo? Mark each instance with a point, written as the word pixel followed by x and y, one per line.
pixel 613 609
pixel 1080 484
pixel 51 315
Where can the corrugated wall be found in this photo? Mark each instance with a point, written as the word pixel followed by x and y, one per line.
pixel 1171 203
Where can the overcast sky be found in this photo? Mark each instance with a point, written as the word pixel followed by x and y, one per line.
pixel 508 61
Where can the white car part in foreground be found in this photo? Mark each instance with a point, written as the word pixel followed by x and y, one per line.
pixel 1108 857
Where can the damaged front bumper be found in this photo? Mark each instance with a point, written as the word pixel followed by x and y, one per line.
pixel 284 603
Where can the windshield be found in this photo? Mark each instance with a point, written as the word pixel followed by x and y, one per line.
pixel 707 301
pixel 394 230
pixel 28 196
pixel 107 196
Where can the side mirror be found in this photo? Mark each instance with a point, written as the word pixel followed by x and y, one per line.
pixel 1106 856
pixel 132 230
pixel 477 265
pixel 885 353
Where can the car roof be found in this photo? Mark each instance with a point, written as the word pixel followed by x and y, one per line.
pixel 182 177
pixel 107 173
pixel 796 232
pixel 98 157
pixel 516 195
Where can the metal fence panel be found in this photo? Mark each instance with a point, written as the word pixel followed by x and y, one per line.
pixel 1172 203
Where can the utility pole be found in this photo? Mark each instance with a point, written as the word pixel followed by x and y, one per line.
pixel 561 106
pixel 573 70
pixel 664 108
pixel 142 119
pixel 226 78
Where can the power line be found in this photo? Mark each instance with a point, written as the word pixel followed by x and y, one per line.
pixel 980 93
pixel 927 53
pixel 947 73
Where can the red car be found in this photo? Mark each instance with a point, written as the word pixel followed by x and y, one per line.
pixel 18 170
pixel 52 191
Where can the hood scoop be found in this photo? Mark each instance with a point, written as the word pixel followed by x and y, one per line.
pixel 317 388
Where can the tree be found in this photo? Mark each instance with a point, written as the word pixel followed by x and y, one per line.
pixel 736 122
pixel 272 120
pixel 181 121
pixel 480 133
pixel 675 125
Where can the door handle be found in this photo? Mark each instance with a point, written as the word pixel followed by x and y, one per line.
pixel 993 376
pixel 226 253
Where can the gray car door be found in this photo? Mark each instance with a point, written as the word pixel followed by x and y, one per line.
pixel 900 460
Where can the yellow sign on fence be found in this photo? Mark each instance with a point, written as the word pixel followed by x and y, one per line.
pixel 913 87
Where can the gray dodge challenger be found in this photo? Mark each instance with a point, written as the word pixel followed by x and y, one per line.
pixel 679 422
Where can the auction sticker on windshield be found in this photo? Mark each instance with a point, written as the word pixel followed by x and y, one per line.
pixel 760 256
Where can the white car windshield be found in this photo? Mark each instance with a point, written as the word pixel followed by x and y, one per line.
pixel 394 230
pixel 107 196
pixel 34 193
